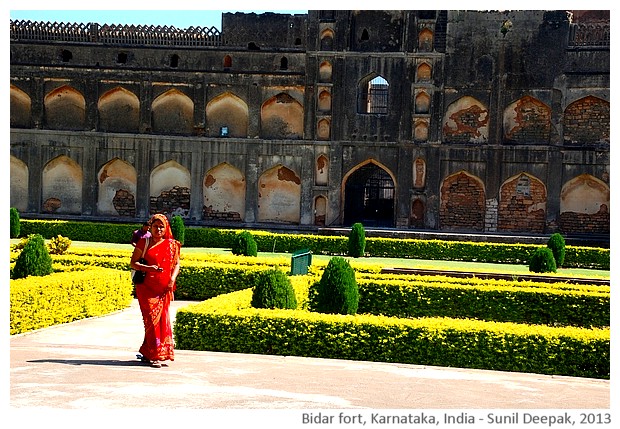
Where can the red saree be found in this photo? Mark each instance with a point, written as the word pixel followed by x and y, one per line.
pixel 158 344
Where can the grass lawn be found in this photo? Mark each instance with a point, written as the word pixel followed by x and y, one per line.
pixel 384 262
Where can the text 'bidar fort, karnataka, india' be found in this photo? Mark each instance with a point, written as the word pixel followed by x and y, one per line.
pixel 462 121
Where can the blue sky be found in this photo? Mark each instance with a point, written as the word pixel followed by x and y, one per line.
pixel 176 18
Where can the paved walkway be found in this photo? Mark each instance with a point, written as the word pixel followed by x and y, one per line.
pixel 91 365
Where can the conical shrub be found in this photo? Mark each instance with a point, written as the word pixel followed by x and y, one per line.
pixel 244 244
pixel 177 227
pixel 274 290
pixel 357 240
pixel 557 244
pixel 34 259
pixel 337 291
pixel 15 223
pixel 542 261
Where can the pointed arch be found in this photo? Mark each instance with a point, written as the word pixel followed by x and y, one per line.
pixel 527 121
pixel 584 206
pixel 18 184
pixel 368 193
pixel 227 62
pixel 462 202
pixel 224 190
pixel 466 121
pixel 587 121
pixel 320 210
pixel 170 185
pixel 65 109
pixel 425 40
pixel 279 195
pixel 117 181
pixel 282 117
pixel 173 113
pixel 422 102
pixel 419 173
pixel 327 40
pixel 424 72
pixel 325 101
pixel 21 107
pixel 323 129
pixel 420 132
pixel 61 189
pixel 119 111
pixel 373 92
pixel 416 218
pixel 227 110
pixel 322 170
pixel 325 72
pixel 522 204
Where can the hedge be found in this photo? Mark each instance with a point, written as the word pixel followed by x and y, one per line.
pixel 228 324
pixel 39 302
pixel 576 257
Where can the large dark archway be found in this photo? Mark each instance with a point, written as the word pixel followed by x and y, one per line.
pixel 369 197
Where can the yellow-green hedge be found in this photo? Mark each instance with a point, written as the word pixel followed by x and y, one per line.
pixel 39 302
pixel 228 324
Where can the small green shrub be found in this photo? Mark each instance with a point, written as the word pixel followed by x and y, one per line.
pixel 542 261
pixel 273 290
pixel 34 259
pixel 357 240
pixel 58 245
pixel 177 226
pixel 558 246
pixel 15 224
pixel 244 244
pixel 337 291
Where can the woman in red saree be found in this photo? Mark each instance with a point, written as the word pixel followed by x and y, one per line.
pixel 155 293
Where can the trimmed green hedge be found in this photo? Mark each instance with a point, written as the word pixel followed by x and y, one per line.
pixel 39 302
pixel 576 257
pixel 215 325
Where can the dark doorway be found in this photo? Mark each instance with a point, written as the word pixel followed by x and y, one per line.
pixel 369 197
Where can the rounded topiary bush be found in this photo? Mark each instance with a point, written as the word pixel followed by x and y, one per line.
pixel 273 290
pixel 542 261
pixel 337 291
pixel 357 240
pixel 558 247
pixel 177 227
pixel 14 221
pixel 244 244
pixel 34 259
pixel 58 245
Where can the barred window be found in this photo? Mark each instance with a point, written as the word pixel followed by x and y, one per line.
pixel 374 96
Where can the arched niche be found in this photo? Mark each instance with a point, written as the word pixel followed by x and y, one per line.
pixel 325 101
pixel 224 190
pixel 21 107
pixel 416 218
pixel 527 120
pixel 325 72
pixel 117 181
pixel 323 129
pixel 327 40
pixel 173 113
pixel 424 73
pixel 279 196
pixel 322 170
pixel 229 112
pixel 227 62
pixel 587 121
pixel 422 102
pixel 320 210
pixel 18 184
pixel 65 109
pixel 522 205
pixel 420 132
pixel 425 40
pixel 462 203
pixel 119 111
pixel 584 206
pixel 170 185
pixel 419 173
pixel 282 117
pixel 466 121
pixel 61 189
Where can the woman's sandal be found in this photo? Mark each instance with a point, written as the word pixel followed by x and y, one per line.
pixel 155 364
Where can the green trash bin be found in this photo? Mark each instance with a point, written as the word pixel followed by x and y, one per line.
pixel 300 261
